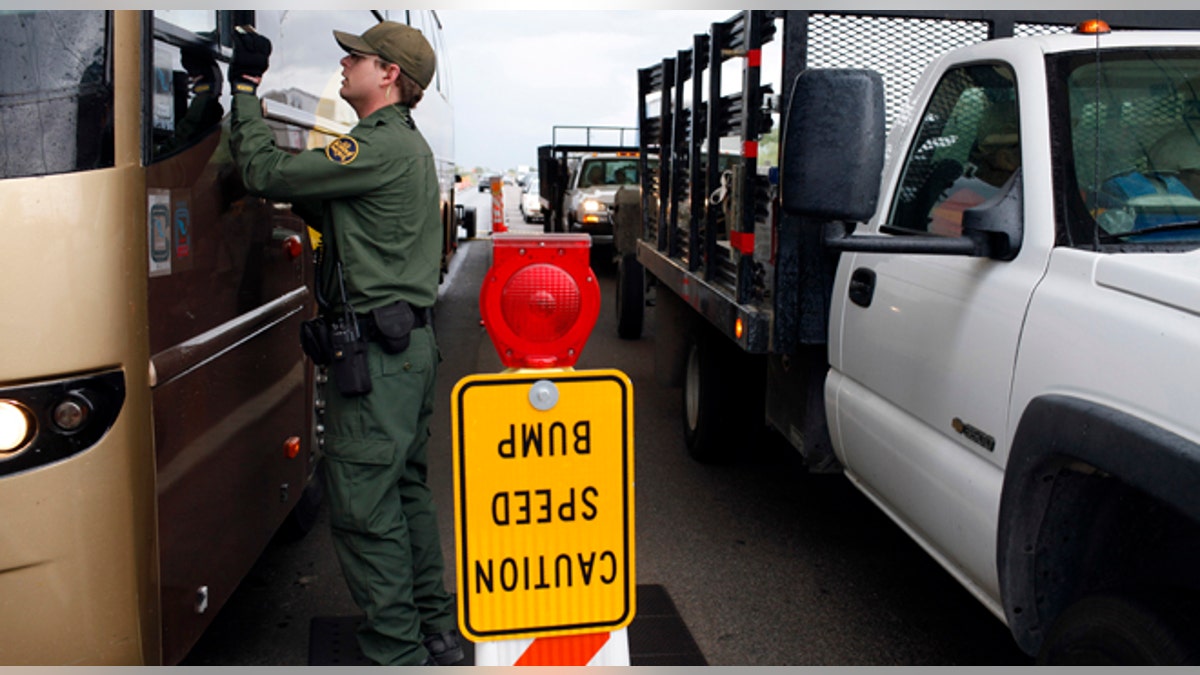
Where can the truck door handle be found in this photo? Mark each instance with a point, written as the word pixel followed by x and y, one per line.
pixel 862 287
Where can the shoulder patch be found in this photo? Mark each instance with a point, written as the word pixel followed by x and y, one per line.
pixel 342 150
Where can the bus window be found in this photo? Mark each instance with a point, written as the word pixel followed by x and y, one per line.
pixel 55 104
pixel 179 118
pixel 194 20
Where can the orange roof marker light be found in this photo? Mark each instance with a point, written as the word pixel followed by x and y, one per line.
pixel 1093 27
pixel 540 299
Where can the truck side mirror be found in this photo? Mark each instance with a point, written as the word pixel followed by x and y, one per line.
pixel 833 145
pixel 998 225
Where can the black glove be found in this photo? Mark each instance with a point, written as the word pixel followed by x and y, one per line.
pixel 250 58
pixel 202 70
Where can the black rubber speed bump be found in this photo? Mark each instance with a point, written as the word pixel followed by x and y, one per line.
pixel 332 642
pixel 657 636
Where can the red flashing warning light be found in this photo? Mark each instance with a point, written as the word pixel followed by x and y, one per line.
pixel 540 299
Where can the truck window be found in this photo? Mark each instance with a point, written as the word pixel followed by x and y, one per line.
pixel 965 150
pixel 56 95
pixel 1134 119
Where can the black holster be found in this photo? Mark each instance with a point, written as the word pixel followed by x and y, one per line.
pixel 316 341
pixel 393 325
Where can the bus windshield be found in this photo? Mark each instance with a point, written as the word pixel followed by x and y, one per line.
pixel 55 93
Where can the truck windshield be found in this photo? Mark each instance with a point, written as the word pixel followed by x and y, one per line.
pixel 1133 119
pixel 608 172
pixel 55 93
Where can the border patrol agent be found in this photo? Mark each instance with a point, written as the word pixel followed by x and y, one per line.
pixel 373 194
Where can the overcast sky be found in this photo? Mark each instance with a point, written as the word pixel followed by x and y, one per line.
pixel 516 74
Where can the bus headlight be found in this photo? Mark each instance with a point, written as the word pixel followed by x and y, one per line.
pixel 593 205
pixel 16 426
pixel 51 420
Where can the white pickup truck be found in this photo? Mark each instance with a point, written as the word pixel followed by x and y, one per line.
pixel 1010 285
pixel 1025 404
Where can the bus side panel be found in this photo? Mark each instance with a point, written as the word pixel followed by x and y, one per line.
pixel 232 387
pixel 77 558
pixel 229 483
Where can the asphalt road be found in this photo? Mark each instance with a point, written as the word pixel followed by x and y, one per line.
pixel 767 565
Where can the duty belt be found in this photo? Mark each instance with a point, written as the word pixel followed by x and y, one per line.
pixel 422 316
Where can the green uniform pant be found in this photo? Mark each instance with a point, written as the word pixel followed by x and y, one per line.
pixel 384 526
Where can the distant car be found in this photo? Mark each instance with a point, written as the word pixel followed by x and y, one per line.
pixel 485 183
pixel 531 202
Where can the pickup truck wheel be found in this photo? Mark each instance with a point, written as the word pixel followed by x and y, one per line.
pixel 706 392
pixel 1123 630
pixel 631 297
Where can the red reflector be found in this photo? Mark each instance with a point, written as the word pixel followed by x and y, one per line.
pixel 750 149
pixel 291 447
pixel 754 58
pixel 742 241
pixel 293 247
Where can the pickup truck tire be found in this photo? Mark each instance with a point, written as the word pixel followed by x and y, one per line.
pixel 1109 629
pixel 722 397
pixel 631 297
pixel 702 386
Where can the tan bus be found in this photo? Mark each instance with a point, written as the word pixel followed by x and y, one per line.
pixel 157 417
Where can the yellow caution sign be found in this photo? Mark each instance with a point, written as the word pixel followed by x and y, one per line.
pixel 543 489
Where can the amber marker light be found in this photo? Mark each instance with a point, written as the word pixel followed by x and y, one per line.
pixel 16 426
pixel 1093 27
pixel 739 328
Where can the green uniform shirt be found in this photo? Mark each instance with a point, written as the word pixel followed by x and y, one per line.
pixel 376 190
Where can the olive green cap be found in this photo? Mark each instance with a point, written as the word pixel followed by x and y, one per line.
pixel 397 43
